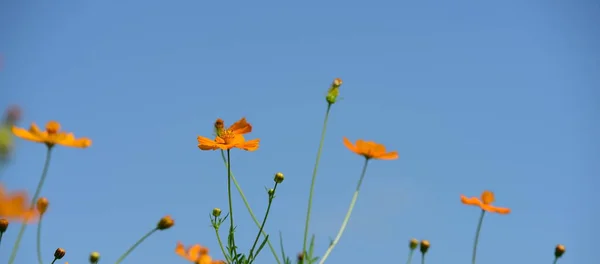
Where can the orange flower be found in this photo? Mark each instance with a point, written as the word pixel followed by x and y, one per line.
pixel 370 150
pixel 229 138
pixel 14 206
pixel 51 136
pixel 196 253
pixel 485 203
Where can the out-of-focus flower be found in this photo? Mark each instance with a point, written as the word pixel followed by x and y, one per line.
pixel 229 138
pixel 196 254
pixel 334 91
pixel 59 253
pixel 14 206
pixel 3 225
pixel 370 150
pixel 559 250
pixel 51 136
pixel 485 203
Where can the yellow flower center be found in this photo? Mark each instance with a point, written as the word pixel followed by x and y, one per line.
pixel 228 136
pixel 52 127
pixel 487 197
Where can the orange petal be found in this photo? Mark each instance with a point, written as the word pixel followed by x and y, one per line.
pixel 26 134
pixel 250 145
pixel 206 144
pixel 241 127
pixel 470 201
pixel 494 209
pixel 180 250
pixel 69 140
pixel 388 156
pixel 351 146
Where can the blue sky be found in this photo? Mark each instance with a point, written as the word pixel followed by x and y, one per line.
pixel 474 95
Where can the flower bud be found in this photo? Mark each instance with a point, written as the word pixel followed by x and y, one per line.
pixel 300 257
pixel 333 92
pixel 559 250
pixel 216 212
pixel 94 257
pixel 42 205
pixel 219 126
pixel 271 192
pixel 59 253
pixel 3 225
pixel 279 177
pixel 413 244
pixel 424 246
pixel 165 223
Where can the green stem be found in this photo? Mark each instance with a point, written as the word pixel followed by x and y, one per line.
pixel 132 248
pixel 477 236
pixel 348 214
pixel 54 261
pixel 271 196
pixel 314 178
pixel 13 254
pixel 237 186
pixel 423 258
pixel 555 261
pixel 1 234
pixel 221 242
pixel 231 238
pixel 410 256
pixel 39 241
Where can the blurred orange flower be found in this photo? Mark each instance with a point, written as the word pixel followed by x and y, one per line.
pixel 485 203
pixel 14 206
pixel 51 136
pixel 196 253
pixel 370 150
pixel 229 138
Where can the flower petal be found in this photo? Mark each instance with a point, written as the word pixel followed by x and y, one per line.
pixel 250 145
pixel 470 201
pixel 241 127
pixel 494 209
pixel 388 156
pixel 350 146
pixel 206 144
pixel 26 134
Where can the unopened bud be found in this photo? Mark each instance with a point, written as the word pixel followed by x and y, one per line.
pixel 279 177
pixel 424 246
pixel 559 251
pixel 42 205
pixel 59 253
pixel 165 223
pixel 413 244
pixel 3 225
pixel 334 91
pixel 271 192
pixel 94 257
pixel 219 126
pixel 300 256
pixel 216 212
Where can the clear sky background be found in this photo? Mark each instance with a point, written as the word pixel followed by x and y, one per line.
pixel 475 95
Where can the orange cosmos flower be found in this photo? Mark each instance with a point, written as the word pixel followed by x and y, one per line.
pixel 14 206
pixel 370 150
pixel 229 138
pixel 196 253
pixel 485 203
pixel 51 136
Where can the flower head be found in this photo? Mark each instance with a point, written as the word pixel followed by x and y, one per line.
pixel 370 150
pixel 51 136
pixel 196 253
pixel 14 206
pixel 42 205
pixel 334 91
pixel 165 223
pixel 229 138
pixel 485 203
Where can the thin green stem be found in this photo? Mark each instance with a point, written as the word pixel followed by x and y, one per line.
pixel 262 226
pixel 477 237
pixel 314 178
pixel 132 248
pixel 423 258
pixel 13 254
pixel 221 242
pixel 410 256
pixel 237 186
pixel 232 247
pixel 348 214
pixel 1 234
pixel 54 261
pixel 39 241
pixel 555 261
